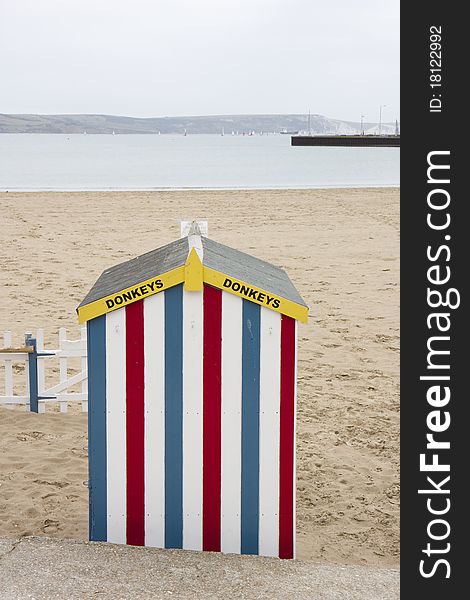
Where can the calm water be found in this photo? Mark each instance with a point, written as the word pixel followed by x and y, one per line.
pixel 100 162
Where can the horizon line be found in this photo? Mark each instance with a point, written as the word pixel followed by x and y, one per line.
pixel 277 114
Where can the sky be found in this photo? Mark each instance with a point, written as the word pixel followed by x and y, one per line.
pixel 144 58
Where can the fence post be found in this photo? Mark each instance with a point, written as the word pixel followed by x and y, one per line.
pixel 62 364
pixel 33 373
pixel 41 366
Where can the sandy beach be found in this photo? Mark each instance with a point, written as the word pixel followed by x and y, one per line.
pixel 341 249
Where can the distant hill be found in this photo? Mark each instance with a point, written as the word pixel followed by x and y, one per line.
pixel 177 125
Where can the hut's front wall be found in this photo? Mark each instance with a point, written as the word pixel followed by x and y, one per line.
pixel 191 432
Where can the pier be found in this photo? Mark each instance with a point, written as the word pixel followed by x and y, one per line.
pixel 387 141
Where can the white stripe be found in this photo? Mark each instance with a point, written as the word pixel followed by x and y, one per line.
pixel 231 422
pixel 192 419
pixel 116 425
pixel 154 398
pixel 269 424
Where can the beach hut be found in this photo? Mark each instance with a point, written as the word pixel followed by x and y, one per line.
pixel 192 387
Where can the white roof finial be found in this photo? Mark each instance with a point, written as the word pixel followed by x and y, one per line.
pixel 194 227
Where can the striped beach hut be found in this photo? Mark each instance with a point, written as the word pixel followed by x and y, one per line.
pixel 192 388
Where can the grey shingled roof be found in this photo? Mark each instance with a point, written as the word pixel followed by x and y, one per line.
pixel 139 269
pixel 219 257
pixel 249 269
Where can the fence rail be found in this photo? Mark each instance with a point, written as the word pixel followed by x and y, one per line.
pixel 29 370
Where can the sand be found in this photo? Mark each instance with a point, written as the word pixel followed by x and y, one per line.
pixel 341 249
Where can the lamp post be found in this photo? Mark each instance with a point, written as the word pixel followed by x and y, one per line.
pixel 380 118
pixel 362 124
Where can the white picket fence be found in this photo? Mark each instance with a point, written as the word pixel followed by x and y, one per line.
pixel 50 367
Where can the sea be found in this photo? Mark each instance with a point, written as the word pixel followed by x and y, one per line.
pixel 34 162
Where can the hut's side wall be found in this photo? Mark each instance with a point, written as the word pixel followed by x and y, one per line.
pixel 191 437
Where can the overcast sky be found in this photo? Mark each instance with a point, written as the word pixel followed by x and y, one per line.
pixel 340 58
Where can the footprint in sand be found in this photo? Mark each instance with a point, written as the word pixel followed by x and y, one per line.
pixel 50 526
pixel 59 484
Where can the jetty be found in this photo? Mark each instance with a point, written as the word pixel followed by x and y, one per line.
pixel 387 141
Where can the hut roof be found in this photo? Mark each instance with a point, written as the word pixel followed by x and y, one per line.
pixel 222 266
pixel 138 269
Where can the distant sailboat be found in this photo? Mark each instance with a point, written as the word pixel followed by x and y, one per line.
pixel 185 132
pixel 233 133
pixel 114 132
pixel 84 132
pixel 285 132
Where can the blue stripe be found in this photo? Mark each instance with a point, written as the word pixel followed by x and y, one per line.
pixel 96 335
pixel 250 428
pixel 33 376
pixel 174 417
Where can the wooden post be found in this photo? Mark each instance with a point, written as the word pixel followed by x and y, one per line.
pixel 33 374
pixel 41 368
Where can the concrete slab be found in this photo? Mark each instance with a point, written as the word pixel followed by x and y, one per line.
pixel 6 546
pixel 38 568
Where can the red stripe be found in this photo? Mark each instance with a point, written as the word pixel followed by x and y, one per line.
pixel 135 422
pixel 286 474
pixel 211 419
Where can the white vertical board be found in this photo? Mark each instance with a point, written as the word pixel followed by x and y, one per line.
pixel 269 423
pixel 192 419
pixel 40 363
pixel 62 364
pixel 231 423
pixel 154 400
pixel 8 366
pixel 116 425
